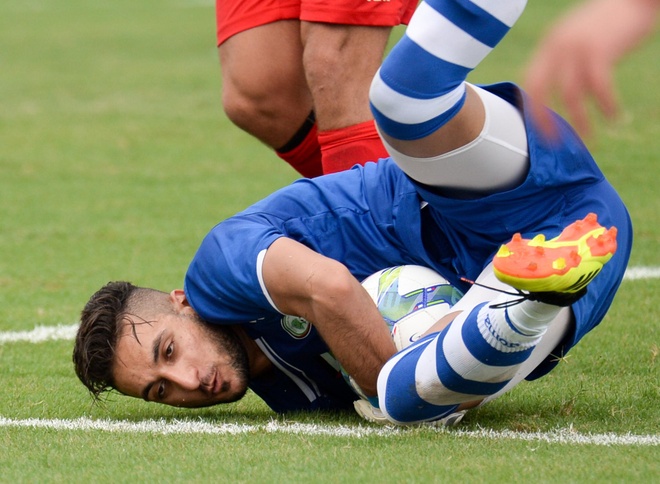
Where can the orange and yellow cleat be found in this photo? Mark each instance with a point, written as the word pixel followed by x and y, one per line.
pixel 565 264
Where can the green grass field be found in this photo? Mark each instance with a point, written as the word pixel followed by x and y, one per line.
pixel 115 160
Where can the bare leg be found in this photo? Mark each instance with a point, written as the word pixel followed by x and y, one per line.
pixel 264 88
pixel 340 61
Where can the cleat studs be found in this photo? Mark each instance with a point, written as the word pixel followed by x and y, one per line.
pixel 538 239
pixel 611 234
pixel 503 252
pixel 559 264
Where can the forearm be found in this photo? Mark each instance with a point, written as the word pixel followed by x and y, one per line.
pixel 352 327
pixel 304 283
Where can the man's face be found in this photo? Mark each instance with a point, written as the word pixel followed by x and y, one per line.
pixel 180 360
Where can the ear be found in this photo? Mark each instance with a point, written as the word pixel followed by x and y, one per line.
pixel 178 298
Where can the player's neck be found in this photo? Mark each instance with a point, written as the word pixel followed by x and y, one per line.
pixel 258 361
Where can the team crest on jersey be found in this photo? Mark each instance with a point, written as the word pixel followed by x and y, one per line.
pixel 296 326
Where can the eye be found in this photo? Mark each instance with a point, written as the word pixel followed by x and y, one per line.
pixel 169 350
pixel 161 390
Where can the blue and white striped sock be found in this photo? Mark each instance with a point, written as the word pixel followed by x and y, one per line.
pixel 421 84
pixel 474 357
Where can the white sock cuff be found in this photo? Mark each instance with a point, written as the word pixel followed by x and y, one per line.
pixel 499 333
pixel 532 316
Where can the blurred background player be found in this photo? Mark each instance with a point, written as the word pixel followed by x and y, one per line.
pixel 576 59
pixel 296 75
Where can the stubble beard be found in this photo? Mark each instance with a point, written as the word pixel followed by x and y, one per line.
pixel 226 342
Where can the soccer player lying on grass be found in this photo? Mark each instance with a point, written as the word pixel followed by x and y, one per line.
pixel 468 171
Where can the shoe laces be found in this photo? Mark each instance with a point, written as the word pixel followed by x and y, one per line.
pixel 562 299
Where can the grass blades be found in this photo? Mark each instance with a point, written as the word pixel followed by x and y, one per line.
pixel 116 159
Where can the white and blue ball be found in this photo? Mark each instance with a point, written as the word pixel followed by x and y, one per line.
pixel 411 299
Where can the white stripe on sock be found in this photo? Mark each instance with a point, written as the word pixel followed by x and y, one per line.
pixel 465 364
pixel 441 38
pixel 428 384
pixel 407 110
pixel 505 12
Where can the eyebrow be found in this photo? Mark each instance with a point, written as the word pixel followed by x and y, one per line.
pixel 156 354
pixel 156 346
pixel 145 392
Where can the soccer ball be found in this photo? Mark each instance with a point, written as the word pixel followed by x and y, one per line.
pixel 411 299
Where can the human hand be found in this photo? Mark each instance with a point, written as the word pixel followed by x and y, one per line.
pixel 576 59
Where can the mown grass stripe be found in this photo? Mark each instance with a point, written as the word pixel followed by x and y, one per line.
pixel 559 436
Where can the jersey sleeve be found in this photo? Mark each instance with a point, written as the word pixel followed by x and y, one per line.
pixel 223 282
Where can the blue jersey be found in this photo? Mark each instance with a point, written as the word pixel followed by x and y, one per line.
pixel 374 217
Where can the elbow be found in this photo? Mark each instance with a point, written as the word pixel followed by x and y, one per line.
pixel 333 288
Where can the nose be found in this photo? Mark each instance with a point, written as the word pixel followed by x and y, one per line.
pixel 185 377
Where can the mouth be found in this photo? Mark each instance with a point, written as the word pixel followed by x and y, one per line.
pixel 218 385
pixel 212 384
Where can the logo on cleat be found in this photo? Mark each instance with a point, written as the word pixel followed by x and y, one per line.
pixel 582 281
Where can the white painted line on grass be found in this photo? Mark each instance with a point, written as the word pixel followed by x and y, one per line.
pixel 196 427
pixel 40 334
pixel 561 436
pixel 636 273
pixel 565 436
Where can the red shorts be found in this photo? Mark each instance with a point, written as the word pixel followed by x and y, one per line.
pixel 234 16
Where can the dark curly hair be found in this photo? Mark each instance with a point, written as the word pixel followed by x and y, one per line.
pixel 101 323
pixel 94 350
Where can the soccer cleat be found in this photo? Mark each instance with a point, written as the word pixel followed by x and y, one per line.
pixel 374 415
pixel 370 413
pixel 556 271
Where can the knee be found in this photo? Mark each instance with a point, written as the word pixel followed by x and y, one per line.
pixel 342 54
pixel 243 103
pixel 240 111
pixel 327 59
pixel 266 105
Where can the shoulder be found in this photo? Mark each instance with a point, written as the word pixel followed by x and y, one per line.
pixel 222 281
